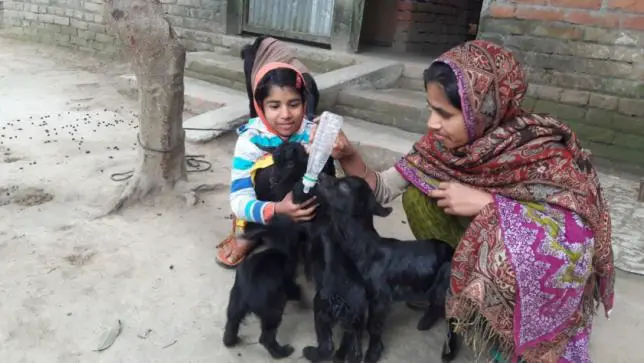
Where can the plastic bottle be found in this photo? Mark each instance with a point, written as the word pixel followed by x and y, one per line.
pixel 320 151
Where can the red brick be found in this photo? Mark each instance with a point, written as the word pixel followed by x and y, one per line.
pixel 538 14
pixel 405 16
pixel 579 4
pixel 631 6
pixel 501 10
pixel 529 2
pixel 587 18
pixel 635 22
pixel 405 5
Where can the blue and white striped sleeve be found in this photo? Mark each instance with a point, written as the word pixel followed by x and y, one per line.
pixel 243 200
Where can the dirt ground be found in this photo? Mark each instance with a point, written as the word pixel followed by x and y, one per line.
pixel 65 276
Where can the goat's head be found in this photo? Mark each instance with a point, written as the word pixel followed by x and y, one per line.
pixel 349 197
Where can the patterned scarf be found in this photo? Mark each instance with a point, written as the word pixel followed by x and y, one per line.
pixel 522 156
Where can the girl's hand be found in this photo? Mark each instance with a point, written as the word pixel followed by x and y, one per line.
pixel 342 148
pixel 460 200
pixel 298 212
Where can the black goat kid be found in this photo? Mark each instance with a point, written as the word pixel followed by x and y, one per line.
pixel 341 296
pixel 264 282
pixel 393 270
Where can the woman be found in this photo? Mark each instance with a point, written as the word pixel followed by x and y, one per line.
pixel 517 197
pixel 265 50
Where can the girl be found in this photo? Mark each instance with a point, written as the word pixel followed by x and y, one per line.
pixel 270 50
pixel 279 100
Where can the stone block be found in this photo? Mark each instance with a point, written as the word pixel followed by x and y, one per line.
pixel 504 26
pixel 627 124
pixel 631 107
pixel 46 18
pixel 199 24
pixel 79 24
pixel 104 38
pixel 177 10
pixel 544 92
pixel 563 63
pixel 575 97
pixel 93 7
pixel 592 133
pixel 189 3
pixel 212 5
pixel 60 20
pixel 559 110
pixel 605 102
pixel 86 35
pixel 614 36
pixel 528 103
pixel 597 116
pixel 557 30
pixel 202 14
pixel 630 141
pixel 96 28
pixel 616 153
pixel 73 32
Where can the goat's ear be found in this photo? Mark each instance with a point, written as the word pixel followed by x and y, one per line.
pixel 382 211
pixel 377 208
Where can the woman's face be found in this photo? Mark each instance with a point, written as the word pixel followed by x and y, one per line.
pixel 284 110
pixel 445 121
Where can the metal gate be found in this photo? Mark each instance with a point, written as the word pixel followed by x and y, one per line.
pixel 309 20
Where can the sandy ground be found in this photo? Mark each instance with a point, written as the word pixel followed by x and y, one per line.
pixel 65 277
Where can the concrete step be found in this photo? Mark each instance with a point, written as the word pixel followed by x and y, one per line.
pixel 400 108
pixel 199 96
pixel 412 77
pixel 226 68
pixel 219 68
pixel 380 146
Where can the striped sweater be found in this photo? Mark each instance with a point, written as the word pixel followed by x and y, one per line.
pixel 253 139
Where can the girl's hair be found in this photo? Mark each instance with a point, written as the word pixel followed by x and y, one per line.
pixel 443 74
pixel 280 77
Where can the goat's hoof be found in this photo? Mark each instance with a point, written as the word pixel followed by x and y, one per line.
pixel 282 351
pixel 427 322
pixel 352 359
pixel 231 340
pixel 313 354
pixel 450 349
pixel 373 354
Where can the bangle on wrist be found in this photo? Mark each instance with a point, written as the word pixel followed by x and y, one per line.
pixel 365 171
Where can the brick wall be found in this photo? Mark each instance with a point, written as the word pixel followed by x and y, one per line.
pixel 585 64
pixel 433 26
pixel 79 23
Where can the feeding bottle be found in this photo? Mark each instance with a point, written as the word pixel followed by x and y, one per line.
pixel 320 151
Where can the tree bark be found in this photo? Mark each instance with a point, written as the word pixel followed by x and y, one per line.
pixel 158 60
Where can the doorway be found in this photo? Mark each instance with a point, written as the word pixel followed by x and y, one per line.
pixel 418 27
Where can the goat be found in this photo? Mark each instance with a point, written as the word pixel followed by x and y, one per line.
pixel 393 270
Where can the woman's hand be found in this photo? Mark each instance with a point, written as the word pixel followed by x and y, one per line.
pixel 298 212
pixel 460 200
pixel 342 148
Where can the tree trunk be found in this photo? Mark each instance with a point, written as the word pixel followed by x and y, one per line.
pixel 158 60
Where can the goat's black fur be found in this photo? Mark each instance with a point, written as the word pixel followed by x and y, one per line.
pixel 340 295
pixel 340 298
pixel 266 279
pixel 393 270
pixel 264 282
